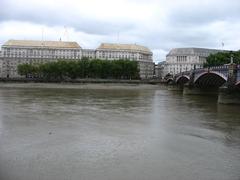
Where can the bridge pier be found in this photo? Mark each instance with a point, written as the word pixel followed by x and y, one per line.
pixel 193 90
pixel 229 93
pixel 228 96
pixel 175 88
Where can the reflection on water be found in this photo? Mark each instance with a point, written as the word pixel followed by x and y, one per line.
pixel 111 133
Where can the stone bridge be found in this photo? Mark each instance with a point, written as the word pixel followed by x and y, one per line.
pixel 207 77
pixel 224 80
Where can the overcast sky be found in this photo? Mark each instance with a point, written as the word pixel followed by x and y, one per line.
pixel 158 24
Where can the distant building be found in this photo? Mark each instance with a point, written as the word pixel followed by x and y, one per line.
pixel 159 70
pixel 185 59
pixel 133 52
pixel 15 52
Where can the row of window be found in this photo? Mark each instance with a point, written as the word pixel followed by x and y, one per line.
pixel 182 68
pixel 181 58
pixel 46 56
pixel 39 53
pixel 39 49
pixel 116 55
pixel 117 52
pixel 75 56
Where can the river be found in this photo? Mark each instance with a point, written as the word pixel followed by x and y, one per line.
pixel 114 132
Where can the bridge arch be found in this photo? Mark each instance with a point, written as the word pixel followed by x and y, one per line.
pixel 182 79
pixel 169 80
pixel 210 79
pixel 238 84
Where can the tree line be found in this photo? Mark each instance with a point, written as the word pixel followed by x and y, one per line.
pixel 84 68
pixel 222 58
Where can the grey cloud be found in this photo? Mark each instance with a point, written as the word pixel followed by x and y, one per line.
pixel 184 25
pixel 49 17
pixel 171 37
pixel 201 13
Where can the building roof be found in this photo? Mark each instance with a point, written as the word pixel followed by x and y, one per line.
pixel 129 47
pixel 46 44
pixel 192 51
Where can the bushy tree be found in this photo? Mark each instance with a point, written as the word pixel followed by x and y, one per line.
pixel 26 70
pixel 84 68
pixel 222 58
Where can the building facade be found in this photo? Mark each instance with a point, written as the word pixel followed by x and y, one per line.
pixel 132 52
pixel 185 59
pixel 1 62
pixel 89 53
pixel 15 52
pixel 159 70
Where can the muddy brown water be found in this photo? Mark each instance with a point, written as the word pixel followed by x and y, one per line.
pixel 108 132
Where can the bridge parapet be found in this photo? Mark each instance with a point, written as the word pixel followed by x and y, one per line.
pixel 219 68
pixel 197 71
pixel 238 75
pixel 182 73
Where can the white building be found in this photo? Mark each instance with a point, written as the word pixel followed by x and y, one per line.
pixel 133 52
pixel 15 52
pixel 185 59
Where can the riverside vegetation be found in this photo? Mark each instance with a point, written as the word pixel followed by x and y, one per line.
pixel 222 58
pixel 82 68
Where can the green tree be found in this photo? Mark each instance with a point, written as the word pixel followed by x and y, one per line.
pixel 222 58
pixel 25 69
pixel 84 68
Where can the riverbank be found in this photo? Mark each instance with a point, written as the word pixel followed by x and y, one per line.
pixel 68 85
pixel 87 80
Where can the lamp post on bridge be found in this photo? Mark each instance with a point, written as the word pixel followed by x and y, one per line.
pixel 232 73
pixel 231 59
pixel 192 76
pixel 229 93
